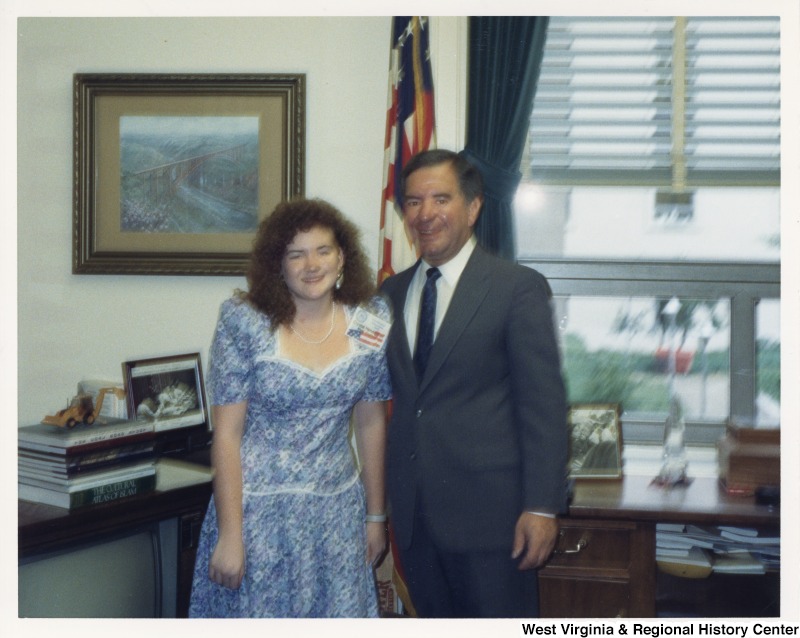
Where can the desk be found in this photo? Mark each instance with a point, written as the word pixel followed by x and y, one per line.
pixel 182 493
pixel 605 563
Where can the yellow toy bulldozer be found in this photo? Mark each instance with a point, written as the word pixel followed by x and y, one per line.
pixel 80 410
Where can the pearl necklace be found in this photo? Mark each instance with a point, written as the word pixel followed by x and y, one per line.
pixel 325 338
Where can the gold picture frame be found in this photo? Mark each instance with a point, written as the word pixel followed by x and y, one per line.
pixel 595 440
pixel 173 173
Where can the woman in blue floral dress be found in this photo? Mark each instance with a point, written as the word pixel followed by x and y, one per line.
pixel 293 527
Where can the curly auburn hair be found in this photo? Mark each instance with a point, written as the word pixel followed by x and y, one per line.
pixel 267 290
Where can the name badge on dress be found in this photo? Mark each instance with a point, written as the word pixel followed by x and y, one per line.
pixel 368 329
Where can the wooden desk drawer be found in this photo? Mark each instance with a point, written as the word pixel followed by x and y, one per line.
pixel 594 546
pixel 601 569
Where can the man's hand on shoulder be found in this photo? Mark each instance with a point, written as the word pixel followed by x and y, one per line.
pixel 534 539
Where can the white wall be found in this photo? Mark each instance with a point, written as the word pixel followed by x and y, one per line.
pixel 84 326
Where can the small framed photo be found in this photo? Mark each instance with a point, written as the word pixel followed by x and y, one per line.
pixel 166 390
pixel 595 441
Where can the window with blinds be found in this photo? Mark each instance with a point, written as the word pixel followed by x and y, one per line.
pixel 653 172
pixel 660 101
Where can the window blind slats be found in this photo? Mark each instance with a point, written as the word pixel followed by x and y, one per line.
pixel 604 103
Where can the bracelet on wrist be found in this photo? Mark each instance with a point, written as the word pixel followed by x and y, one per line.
pixel 376 518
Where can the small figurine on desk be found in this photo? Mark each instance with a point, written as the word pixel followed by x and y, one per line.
pixel 80 410
pixel 673 469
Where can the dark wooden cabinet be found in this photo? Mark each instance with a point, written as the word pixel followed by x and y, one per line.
pixel 182 494
pixel 604 565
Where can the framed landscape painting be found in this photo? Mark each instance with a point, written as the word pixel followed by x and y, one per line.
pixel 595 441
pixel 173 173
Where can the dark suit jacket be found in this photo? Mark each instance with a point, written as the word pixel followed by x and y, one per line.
pixel 483 437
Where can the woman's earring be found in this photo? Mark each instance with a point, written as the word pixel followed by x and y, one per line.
pixel 339 280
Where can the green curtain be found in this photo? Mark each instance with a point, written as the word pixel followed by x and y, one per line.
pixel 505 57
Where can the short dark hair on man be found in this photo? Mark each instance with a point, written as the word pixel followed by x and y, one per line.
pixel 470 180
pixel 267 290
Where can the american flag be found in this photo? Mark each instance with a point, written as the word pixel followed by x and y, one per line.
pixel 410 129
pixel 369 337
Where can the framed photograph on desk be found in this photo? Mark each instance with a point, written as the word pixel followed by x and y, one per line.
pixel 595 440
pixel 166 390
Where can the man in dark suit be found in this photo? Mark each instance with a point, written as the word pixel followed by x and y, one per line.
pixel 477 449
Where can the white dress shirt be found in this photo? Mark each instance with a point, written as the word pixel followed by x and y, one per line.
pixel 445 286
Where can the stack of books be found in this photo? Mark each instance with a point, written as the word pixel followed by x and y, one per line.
pixel 87 464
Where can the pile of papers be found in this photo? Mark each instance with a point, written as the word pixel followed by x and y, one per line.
pixel 692 551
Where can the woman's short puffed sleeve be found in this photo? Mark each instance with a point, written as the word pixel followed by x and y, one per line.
pixel 230 358
pixel 379 387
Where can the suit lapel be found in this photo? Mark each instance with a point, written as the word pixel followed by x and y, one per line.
pixel 472 288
